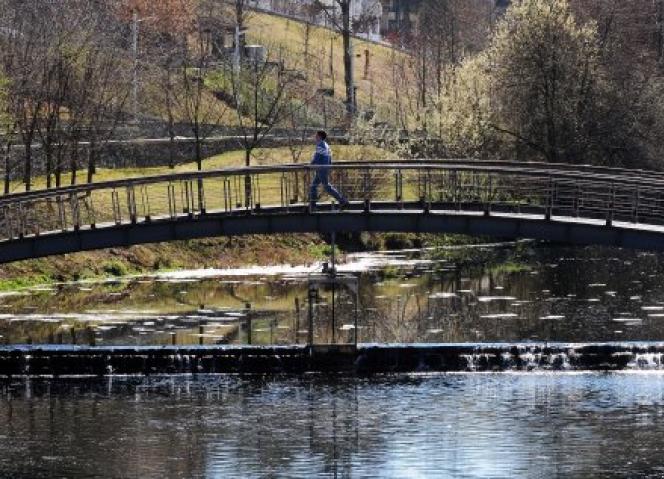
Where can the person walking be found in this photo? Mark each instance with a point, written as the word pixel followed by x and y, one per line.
pixel 323 159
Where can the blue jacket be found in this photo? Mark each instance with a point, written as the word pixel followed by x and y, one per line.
pixel 323 155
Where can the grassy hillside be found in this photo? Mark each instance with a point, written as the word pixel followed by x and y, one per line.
pixel 286 39
pixel 289 37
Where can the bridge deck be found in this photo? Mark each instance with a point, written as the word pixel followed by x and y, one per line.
pixel 577 205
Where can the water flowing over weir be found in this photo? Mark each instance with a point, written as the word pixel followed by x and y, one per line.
pixel 340 359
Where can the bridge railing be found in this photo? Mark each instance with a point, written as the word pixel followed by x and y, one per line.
pixel 486 188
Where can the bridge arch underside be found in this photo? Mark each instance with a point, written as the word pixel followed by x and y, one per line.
pixel 568 230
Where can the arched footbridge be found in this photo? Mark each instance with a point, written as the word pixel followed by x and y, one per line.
pixel 570 204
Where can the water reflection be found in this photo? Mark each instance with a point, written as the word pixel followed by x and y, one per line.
pixel 558 425
pixel 516 293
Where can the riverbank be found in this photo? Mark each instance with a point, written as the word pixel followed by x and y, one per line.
pixel 146 259
pixel 217 253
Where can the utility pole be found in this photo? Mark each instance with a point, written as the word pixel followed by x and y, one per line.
pixel 659 19
pixel 236 55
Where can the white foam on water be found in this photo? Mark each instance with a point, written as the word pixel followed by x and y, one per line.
pixel 499 316
pixel 487 299
pixel 628 320
pixel 442 295
pixel 646 361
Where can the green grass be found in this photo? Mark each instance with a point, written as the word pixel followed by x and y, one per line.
pixel 287 37
pixel 19 283
pixel 235 158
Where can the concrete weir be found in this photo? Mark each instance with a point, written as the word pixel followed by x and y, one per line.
pixel 365 359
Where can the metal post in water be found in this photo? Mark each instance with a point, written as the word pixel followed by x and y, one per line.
pixel 91 336
pixel 312 298
pixel 357 303
pixel 297 318
pixel 201 330
pixel 333 273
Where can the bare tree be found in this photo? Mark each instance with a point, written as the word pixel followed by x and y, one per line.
pixel 106 106
pixel 339 14
pixel 7 132
pixel 191 96
pixel 23 63
pixel 262 92
pixel 50 124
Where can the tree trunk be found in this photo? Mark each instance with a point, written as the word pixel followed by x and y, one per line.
pixel 171 143
pixel 92 163
pixel 8 167
pixel 27 169
pixel 58 167
pixel 346 33
pixel 74 163
pixel 198 154
pixel 49 165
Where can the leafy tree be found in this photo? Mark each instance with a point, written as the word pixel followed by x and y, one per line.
pixel 542 90
pixel 549 82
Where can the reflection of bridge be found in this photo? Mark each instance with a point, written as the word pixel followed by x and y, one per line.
pixel 578 205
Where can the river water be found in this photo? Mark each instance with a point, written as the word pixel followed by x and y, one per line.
pixel 481 294
pixel 461 425
pixel 537 424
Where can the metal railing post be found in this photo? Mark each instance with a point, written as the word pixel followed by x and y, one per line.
pixel 61 212
pixel 131 203
pixel 172 206
pixel 487 198
pixel 201 196
pixel 247 192
pixel 75 211
pixel 367 195
pixel 428 192
pixel 257 193
pixel 397 186
pixel 549 200
pixel 145 200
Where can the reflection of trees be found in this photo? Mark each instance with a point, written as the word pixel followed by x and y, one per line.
pixel 89 435
pixel 550 288
pixel 587 426
pixel 546 282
